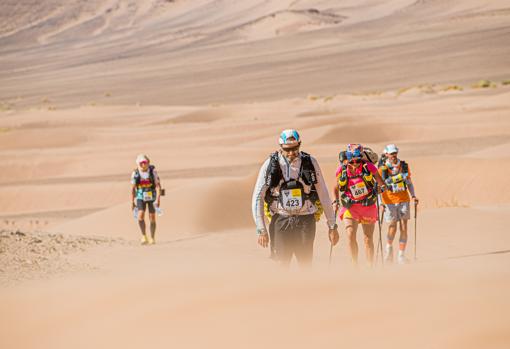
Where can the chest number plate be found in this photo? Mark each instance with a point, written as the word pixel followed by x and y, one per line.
pixel 292 199
pixel 147 196
pixel 358 190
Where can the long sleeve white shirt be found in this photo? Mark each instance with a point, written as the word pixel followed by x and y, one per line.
pixel 290 171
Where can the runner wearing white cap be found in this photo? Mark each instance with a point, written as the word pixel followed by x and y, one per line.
pixel 145 193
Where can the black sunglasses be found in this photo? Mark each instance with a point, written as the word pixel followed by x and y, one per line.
pixel 355 161
pixel 290 150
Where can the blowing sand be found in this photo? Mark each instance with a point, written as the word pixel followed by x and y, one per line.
pixel 204 87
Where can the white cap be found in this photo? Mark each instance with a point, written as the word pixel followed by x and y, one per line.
pixel 141 158
pixel 289 137
pixel 391 148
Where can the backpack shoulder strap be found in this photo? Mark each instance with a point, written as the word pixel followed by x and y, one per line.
pixel 307 168
pixel 136 175
pixel 273 172
pixel 405 167
pixel 151 175
pixel 384 172
pixel 342 179
pixel 367 176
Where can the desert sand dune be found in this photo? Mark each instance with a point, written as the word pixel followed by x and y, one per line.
pixel 43 165
pixel 204 87
pixel 371 50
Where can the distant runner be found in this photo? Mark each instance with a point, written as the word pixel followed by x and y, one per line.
pixel 355 190
pixel 290 182
pixel 145 192
pixel 397 176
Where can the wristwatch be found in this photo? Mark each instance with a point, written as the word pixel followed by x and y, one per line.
pixel 261 231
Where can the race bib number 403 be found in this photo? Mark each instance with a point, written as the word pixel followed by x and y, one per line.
pixel 292 199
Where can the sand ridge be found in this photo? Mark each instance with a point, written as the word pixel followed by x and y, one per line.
pixel 91 54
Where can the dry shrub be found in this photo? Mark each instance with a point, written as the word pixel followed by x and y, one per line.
pixel 403 90
pixel 452 88
pixel 484 84
pixel 4 106
pixel 427 88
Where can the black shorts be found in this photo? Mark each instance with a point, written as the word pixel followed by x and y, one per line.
pixel 141 205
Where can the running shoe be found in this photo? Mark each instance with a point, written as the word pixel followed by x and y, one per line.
pixel 144 240
pixel 401 259
pixel 388 254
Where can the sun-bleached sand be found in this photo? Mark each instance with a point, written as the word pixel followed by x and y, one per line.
pixel 204 87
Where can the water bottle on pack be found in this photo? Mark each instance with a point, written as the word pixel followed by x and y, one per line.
pixel 159 211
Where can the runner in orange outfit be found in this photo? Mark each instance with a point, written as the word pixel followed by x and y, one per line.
pixel 355 189
pixel 397 177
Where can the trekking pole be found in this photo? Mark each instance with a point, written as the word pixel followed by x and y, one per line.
pixel 378 241
pixel 379 244
pixel 415 234
pixel 330 253
pixel 380 218
pixel 330 243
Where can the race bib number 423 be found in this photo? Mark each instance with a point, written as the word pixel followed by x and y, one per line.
pixel 292 199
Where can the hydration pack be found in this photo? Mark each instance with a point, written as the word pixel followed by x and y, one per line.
pixel 395 182
pixel 368 180
pixel 370 155
pixel 382 160
pixel 138 177
pixel 274 178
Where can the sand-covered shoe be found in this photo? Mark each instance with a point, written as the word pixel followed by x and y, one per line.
pixel 151 240
pixel 388 254
pixel 401 259
pixel 144 240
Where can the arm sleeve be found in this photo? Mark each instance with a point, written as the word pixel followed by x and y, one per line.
pixel 409 182
pixel 322 191
pixel 257 201
pixel 410 186
pixel 133 178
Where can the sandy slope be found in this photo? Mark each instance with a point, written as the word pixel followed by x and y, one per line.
pixel 87 85
pixel 219 290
